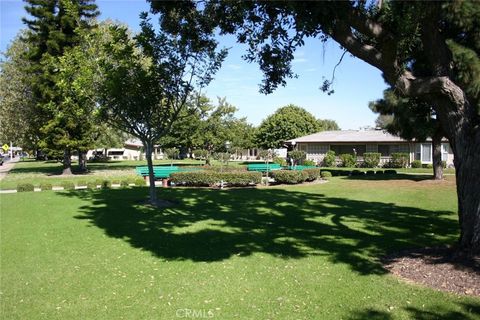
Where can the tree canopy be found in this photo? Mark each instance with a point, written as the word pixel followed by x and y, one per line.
pixel 287 123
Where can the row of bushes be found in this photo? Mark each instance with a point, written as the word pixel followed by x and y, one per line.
pixel 69 185
pixel 345 173
pixel 295 176
pixel 212 178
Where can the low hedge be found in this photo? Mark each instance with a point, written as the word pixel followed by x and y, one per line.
pixel 416 164
pixel 124 184
pixel 68 185
pixel 140 182
pixel 25 187
pixel 325 174
pixel 290 176
pixel 211 178
pixel 106 184
pixel 312 174
pixel 92 185
pixel 46 186
pixel 390 171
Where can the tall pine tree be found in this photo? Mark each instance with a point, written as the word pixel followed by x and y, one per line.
pixel 53 28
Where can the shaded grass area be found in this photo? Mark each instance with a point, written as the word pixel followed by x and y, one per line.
pixel 304 252
pixel 427 171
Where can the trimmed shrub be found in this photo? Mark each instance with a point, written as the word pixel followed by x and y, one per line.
pixel 312 174
pixel 399 160
pixel 348 160
pixel 329 160
pixel 92 185
pixel 379 172
pixel 370 172
pixel 98 182
pixel 124 183
pixel 390 171
pixel 81 183
pixel 297 155
pixel 281 161
pixel 357 173
pixel 289 176
pixel 46 186
pixel 68 185
pixel 416 164
pixel 309 163
pixel 371 159
pixel 325 175
pixel 25 187
pixel 106 184
pixel 140 182
pixel 210 178
pixel 116 182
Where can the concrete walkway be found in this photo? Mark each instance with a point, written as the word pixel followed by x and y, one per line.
pixel 7 166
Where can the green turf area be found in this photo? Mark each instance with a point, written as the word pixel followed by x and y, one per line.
pixel 37 172
pixel 302 252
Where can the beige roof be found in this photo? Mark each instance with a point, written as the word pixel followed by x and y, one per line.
pixel 349 136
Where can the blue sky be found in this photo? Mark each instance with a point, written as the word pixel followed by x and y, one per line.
pixel 356 82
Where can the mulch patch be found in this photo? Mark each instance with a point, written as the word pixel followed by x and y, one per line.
pixel 438 268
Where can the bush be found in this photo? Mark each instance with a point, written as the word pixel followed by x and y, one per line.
pixel 25 187
pixel 106 184
pixel 116 182
pixel 399 160
pixel 297 155
pixel 289 176
pixel 46 186
pixel 325 175
pixel 200 153
pixel 312 174
pixel 348 160
pixel 370 172
pixel 444 164
pixel 92 185
pixel 416 164
pixel 371 159
pixel 357 173
pixel 329 160
pixel 309 163
pixel 281 161
pixel 379 172
pixel 210 178
pixel 140 182
pixel 390 171
pixel 124 183
pixel 68 185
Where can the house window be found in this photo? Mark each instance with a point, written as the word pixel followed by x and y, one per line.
pixel 387 149
pixel 445 151
pixel 348 148
pixel 372 148
pixel 426 152
pixel 418 152
pixel 317 148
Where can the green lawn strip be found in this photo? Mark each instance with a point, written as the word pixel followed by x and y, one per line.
pixel 38 172
pixel 302 252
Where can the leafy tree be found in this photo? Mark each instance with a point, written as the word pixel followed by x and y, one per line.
pixel 16 100
pixel 410 119
pixel 52 30
pixel 396 37
pixel 146 82
pixel 287 123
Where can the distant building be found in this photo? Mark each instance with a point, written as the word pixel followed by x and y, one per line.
pixel 132 150
pixel 361 141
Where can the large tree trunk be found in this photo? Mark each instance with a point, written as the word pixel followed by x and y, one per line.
pixel 467 169
pixel 437 155
pixel 151 177
pixel 67 162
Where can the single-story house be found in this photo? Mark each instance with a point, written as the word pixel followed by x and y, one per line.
pixel 361 141
pixel 132 150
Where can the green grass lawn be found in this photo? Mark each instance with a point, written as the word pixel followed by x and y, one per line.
pixel 300 252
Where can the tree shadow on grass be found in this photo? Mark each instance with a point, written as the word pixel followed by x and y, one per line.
pixel 398 176
pixel 466 311
pixel 213 225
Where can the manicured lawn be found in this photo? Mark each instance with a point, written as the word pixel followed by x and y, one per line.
pixel 302 252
